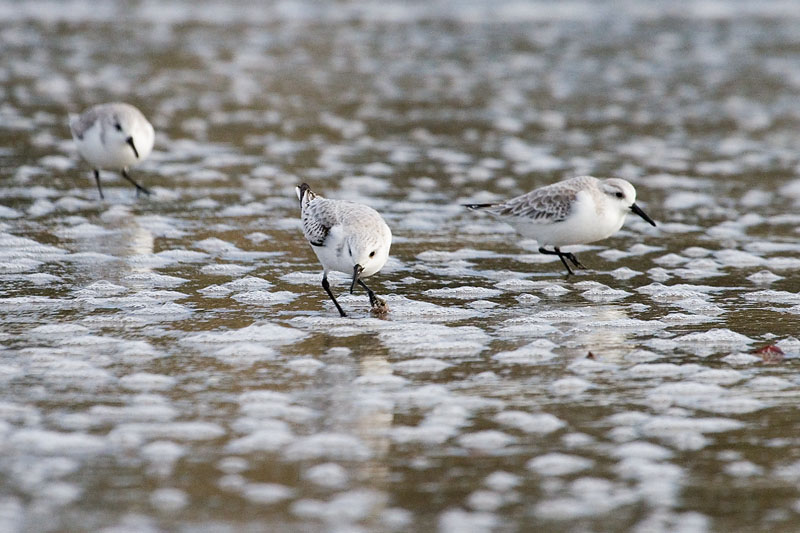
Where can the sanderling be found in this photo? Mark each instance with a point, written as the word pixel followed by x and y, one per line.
pixel 574 211
pixel 347 237
pixel 113 136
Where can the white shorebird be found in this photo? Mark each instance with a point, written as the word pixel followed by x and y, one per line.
pixel 347 237
pixel 113 136
pixel 574 211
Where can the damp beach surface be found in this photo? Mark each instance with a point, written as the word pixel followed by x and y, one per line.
pixel 172 363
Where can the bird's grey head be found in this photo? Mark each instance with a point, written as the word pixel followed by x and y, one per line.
pixel 622 194
pixel 120 128
pixel 368 255
pixel 619 191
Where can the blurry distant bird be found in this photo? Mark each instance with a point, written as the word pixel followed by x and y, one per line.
pixel 113 136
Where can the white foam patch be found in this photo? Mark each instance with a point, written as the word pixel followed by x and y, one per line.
pixel 305 366
pixel 485 500
pixel 328 446
pixel 214 291
pixel 663 370
pixel 69 372
pixel 215 246
pixel 764 277
pixel 256 411
pixel 9 212
pixel 139 262
pixel 741 359
pixel 302 278
pixel 144 381
pixel 487 441
pixel 344 509
pixel 463 293
pixel 686 394
pixel 226 269
pixel 720 376
pixel 243 354
pixel 9 372
pixel 425 434
pixel 163 312
pixel 37 303
pixel 183 256
pixel 327 475
pixel 587 496
pixel 658 483
pixel 83 231
pixel 642 450
pixel 441 256
pixel 24 247
pixel 558 464
pixel 18 265
pixel 569 386
pixel 265 298
pixel 101 289
pixel 57 331
pixel 266 493
pixel 669 427
pixel 526 326
pixel 421 365
pixel 145 408
pixel 517 285
pixel 264 333
pixel 169 500
pixel 435 340
pixel 273 436
pixel 405 309
pixel 246 284
pixel 670 260
pixel 541 423
pixel 501 481
pixel 712 341
pixel 534 353
pixel 770 296
pixel 42 279
pixel 173 430
pixel 769 383
pixel 604 294
pixel 468 522
pixel 42 442
pixel 153 280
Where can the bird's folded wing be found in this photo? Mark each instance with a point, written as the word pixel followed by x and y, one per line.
pixel 540 206
pixel 80 123
pixel 318 220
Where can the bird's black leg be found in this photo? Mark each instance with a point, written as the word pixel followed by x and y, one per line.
pixel 378 305
pixel 574 259
pixel 563 256
pixel 373 300
pixel 97 179
pixel 327 287
pixel 139 188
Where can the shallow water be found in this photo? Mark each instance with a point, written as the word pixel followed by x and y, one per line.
pixel 171 363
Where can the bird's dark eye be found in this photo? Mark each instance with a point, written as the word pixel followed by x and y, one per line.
pixel 372 254
pixel 619 195
pixel 118 126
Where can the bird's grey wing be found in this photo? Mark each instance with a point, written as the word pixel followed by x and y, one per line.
pixel 80 123
pixel 542 205
pixel 318 219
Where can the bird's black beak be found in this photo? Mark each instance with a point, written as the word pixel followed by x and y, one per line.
pixel 129 140
pixel 357 270
pixel 638 210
